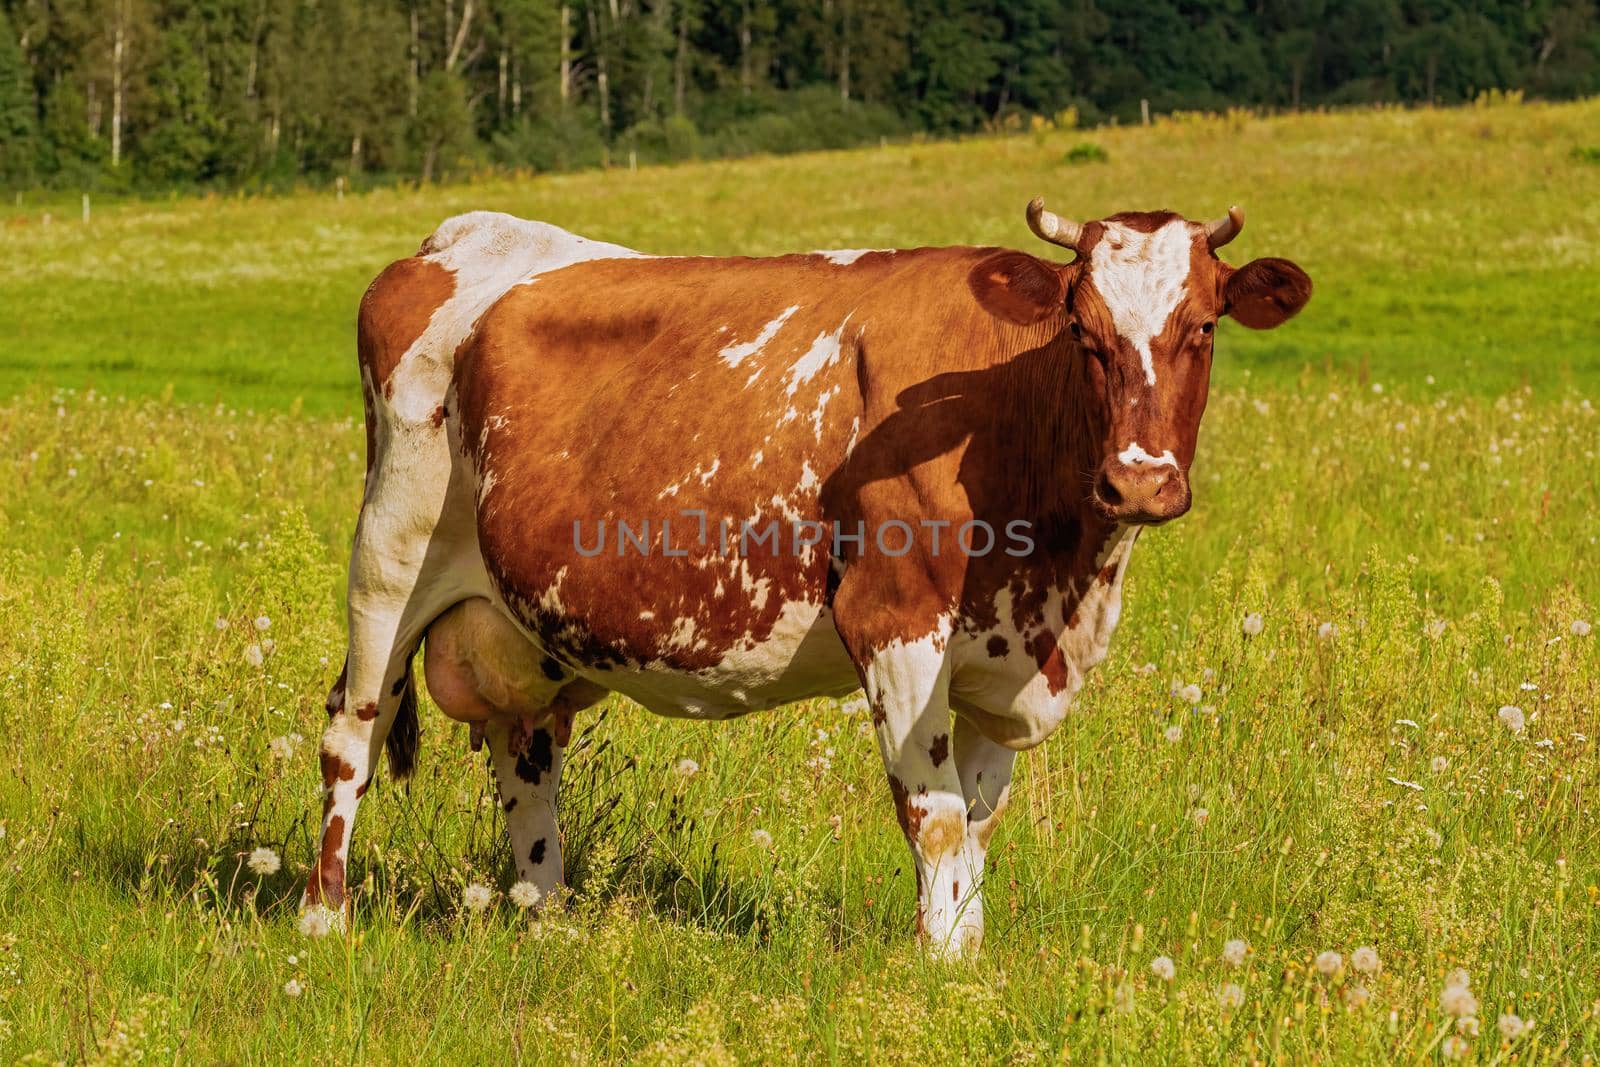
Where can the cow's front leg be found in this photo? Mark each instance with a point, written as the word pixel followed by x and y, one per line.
pixel 907 685
pixel 985 770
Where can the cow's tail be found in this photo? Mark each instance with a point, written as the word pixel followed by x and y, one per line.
pixel 404 735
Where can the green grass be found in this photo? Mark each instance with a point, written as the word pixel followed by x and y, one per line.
pixel 1447 529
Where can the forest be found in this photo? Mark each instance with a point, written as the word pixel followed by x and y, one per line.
pixel 138 95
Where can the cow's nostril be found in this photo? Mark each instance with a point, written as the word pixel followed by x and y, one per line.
pixel 1107 492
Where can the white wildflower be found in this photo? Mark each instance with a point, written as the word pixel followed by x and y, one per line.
pixel 314 921
pixel 1163 968
pixel 292 988
pixel 1365 960
pixel 476 896
pixel 1329 963
pixel 264 861
pixel 254 656
pixel 1458 1000
pixel 525 895
pixel 760 838
pixel 686 768
pixel 1190 694
pixel 1511 1026
pixel 1252 624
pixel 1234 952
pixel 263 623
pixel 1512 717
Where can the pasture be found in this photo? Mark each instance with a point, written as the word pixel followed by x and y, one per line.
pixel 1397 490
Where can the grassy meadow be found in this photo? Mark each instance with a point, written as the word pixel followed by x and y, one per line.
pixel 1396 754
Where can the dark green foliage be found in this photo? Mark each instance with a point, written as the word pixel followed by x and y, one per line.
pixel 156 93
pixel 1085 152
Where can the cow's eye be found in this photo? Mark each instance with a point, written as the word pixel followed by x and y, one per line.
pixel 1207 327
pixel 1076 331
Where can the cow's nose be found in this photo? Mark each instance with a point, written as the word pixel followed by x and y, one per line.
pixel 1141 491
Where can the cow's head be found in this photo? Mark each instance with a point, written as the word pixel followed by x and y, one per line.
pixel 1140 305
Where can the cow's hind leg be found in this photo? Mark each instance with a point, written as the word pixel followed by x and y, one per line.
pixel 527 754
pixel 396 588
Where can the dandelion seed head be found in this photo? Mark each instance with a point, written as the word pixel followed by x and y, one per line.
pixel 221 623
pixel 1365 960
pixel 1327 631
pixel 1512 717
pixel 1230 996
pixel 1356 996
pixel 1252 624
pixel 263 623
pixel 476 896
pixel 1235 951
pixel 1190 694
pixel 760 838
pixel 1439 764
pixel 1454 1047
pixel 1511 1026
pixel 281 747
pixel 292 988
pixel 254 656
pixel 1163 968
pixel 1458 1000
pixel 1173 734
pixel 1580 628
pixel 686 768
pixel 1329 963
pixel 314 922
pixel 264 861
pixel 525 895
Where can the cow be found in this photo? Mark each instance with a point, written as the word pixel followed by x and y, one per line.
pixel 720 485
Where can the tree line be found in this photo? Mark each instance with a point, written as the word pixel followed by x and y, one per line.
pixel 131 94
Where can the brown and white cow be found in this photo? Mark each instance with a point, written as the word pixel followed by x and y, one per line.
pixel 720 485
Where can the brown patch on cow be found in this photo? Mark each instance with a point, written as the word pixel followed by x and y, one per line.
pixel 395 311
pixel 1108 574
pixel 361 790
pixel 908 812
pixel 329 875
pixel 536 854
pixel 334 769
pixel 1052 664
pixel 368 711
pixel 941 834
pixel 939 751
pixel 438 416
pixel 997 647
pixel 879 715
pixel 511 802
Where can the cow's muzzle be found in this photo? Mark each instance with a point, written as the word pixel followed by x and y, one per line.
pixel 1140 491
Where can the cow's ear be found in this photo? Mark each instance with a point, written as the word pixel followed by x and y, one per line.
pixel 1018 288
pixel 1265 293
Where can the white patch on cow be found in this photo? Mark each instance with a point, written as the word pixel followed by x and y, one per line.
pixel 822 406
pixel 646 616
pixel 1134 455
pixel 843 257
pixel 735 354
pixel 808 477
pixel 710 472
pixel 855 435
pixel 823 353
pixel 755 460
pixel 1142 277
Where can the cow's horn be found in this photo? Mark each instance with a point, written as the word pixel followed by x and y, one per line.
pixel 1049 226
pixel 1225 229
